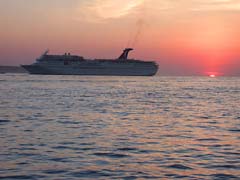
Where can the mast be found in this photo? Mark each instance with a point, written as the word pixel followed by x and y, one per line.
pixel 44 54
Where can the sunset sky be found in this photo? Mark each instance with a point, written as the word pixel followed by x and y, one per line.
pixel 186 37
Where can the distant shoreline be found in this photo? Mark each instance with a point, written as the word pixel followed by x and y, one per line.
pixel 12 69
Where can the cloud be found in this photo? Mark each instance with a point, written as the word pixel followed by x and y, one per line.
pixel 217 5
pixel 193 5
pixel 97 10
pixel 102 10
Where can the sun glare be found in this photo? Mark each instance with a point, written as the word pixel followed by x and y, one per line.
pixel 213 74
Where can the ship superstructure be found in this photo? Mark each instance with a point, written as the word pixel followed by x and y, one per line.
pixel 68 64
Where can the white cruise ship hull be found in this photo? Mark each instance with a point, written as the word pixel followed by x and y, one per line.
pixel 94 70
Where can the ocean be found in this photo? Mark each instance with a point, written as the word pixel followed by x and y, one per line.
pixel 77 127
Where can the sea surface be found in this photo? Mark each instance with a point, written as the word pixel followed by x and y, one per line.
pixel 77 127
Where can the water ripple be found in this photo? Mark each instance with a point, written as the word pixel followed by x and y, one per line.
pixel 179 166
pixel 76 127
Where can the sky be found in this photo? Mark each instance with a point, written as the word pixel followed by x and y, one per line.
pixel 185 37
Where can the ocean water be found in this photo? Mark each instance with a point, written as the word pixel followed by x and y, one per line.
pixel 76 127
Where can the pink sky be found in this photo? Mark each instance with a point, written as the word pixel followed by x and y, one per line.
pixel 186 37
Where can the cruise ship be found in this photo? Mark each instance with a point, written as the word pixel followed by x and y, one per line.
pixel 68 64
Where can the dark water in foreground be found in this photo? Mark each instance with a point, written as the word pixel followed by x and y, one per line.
pixel 73 127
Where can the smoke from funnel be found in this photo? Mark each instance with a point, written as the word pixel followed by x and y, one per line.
pixel 140 24
pixel 138 30
pixel 136 35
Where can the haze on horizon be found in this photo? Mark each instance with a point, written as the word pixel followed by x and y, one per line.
pixel 186 37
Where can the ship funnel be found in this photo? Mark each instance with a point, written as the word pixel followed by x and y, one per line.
pixel 124 55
